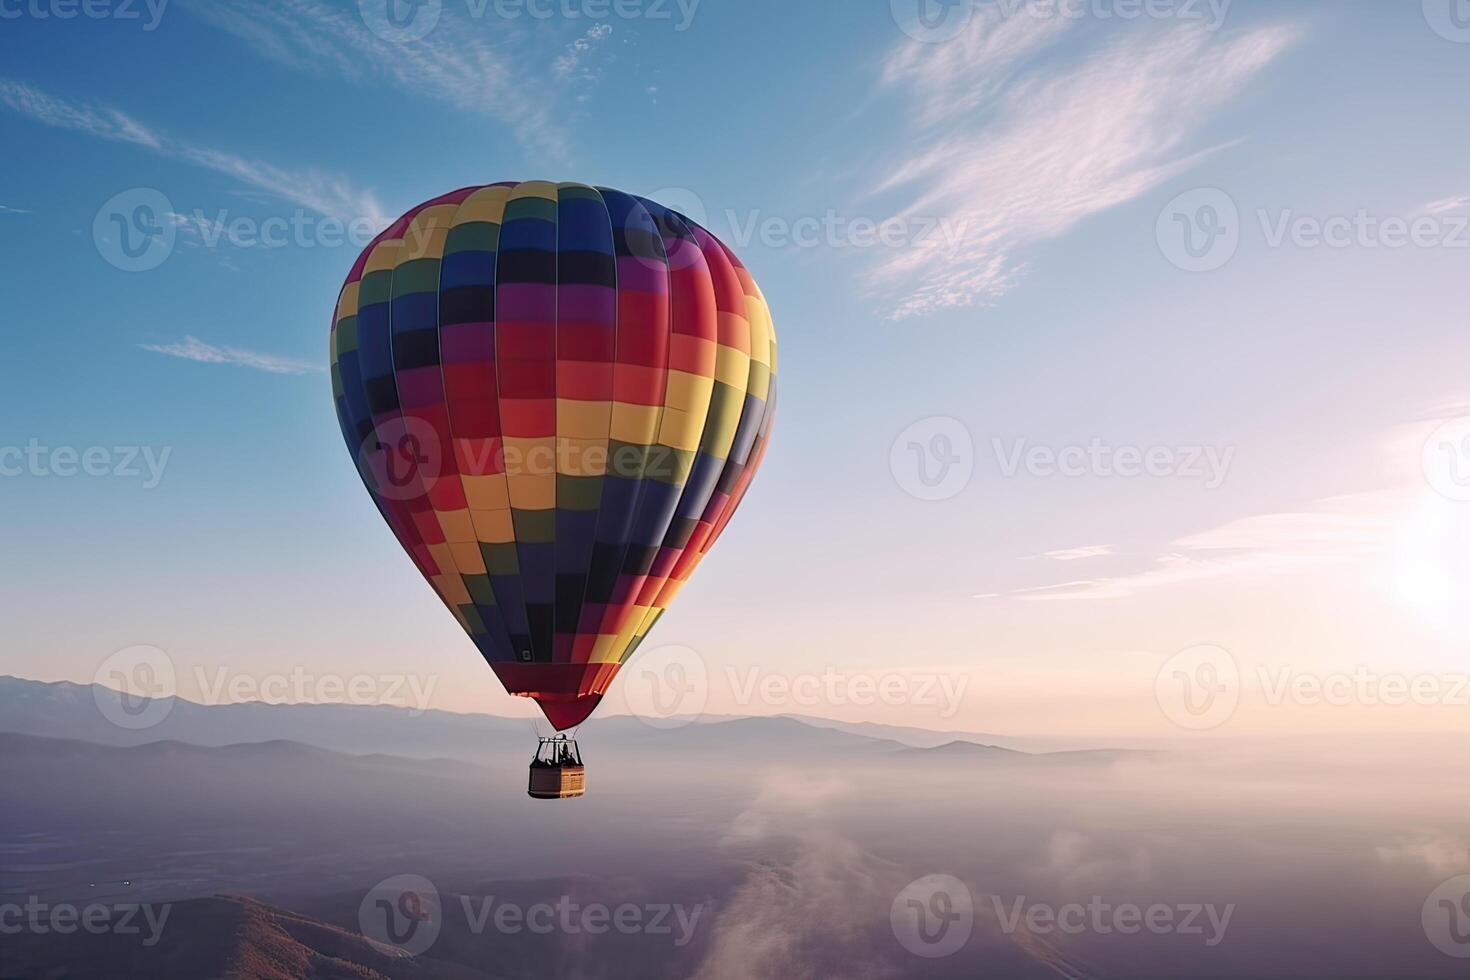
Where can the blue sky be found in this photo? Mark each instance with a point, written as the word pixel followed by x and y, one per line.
pixel 1032 293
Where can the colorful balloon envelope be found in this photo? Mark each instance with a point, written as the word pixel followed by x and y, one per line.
pixel 557 396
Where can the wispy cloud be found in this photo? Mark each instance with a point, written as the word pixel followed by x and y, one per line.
pixel 788 914
pixel 103 123
pixel 194 349
pixel 1343 530
pixel 1078 554
pixel 324 193
pixel 457 64
pixel 6 209
pixel 568 63
pixel 1446 205
pixel 1017 152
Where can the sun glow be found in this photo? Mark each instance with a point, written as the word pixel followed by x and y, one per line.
pixel 1431 573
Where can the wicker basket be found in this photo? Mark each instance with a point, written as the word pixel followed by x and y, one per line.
pixel 556 771
pixel 558 782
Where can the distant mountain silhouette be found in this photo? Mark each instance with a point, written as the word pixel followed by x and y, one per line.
pixel 224 937
pixel 76 712
pixel 66 710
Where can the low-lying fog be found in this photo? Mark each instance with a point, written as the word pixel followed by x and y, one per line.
pixel 781 850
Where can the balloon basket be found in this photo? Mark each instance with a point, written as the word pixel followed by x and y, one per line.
pixel 557 772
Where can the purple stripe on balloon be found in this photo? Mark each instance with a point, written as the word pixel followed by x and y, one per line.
pixel 525 301
pixel 595 304
pixel 642 275
pixel 420 387
pixel 467 343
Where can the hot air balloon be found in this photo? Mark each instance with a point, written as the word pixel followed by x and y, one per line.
pixel 557 396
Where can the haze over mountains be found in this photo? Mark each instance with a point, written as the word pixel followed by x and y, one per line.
pixel 786 844
pixel 67 710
